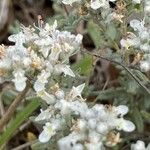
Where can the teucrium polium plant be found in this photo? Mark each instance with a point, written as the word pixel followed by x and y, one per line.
pixel 40 57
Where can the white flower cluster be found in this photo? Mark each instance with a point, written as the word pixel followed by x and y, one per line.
pixel 41 53
pixel 140 145
pixel 43 50
pixel 94 4
pixel 92 127
pixel 140 40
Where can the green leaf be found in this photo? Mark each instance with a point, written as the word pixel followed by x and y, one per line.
pixel 20 118
pixel 95 33
pixel 84 66
pixel 138 120
pixel 110 93
pixel 146 115
pixel 111 31
pixel 132 86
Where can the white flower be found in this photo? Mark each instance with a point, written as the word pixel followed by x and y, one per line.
pixel 42 79
pixel 44 115
pixel 95 146
pixel 144 35
pixel 19 38
pixel 125 125
pixel 102 128
pixel 54 55
pixel 131 40
pixel 95 4
pixel 60 94
pixel 70 142
pixel 122 110
pixel 51 28
pixel 61 68
pixel 47 133
pixel 69 2
pixel 76 92
pixel 136 25
pixel 139 145
pixel 92 123
pixel 49 98
pixel 94 143
pixel 145 66
pixel 20 79
pixel 65 107
pixel 78 107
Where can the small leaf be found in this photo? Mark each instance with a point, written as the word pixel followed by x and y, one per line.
pixel 111 31
pixel 138 120
pixel 146 115
pixel 84 65
pixel 95 33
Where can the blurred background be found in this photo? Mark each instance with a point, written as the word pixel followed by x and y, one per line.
pixel 24 11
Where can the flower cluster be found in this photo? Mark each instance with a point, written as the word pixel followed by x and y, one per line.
pixel 41 53
pixel 140 41
pixel 103 5
pixel 96 128
pixel 93 126
pixel 140 145
pixel 42 50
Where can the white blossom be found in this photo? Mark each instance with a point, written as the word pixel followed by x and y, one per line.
pixel 140 145
pixel 47 133
pixel 69 2
pixel 42 79
pixel 95 4
pixel 19 79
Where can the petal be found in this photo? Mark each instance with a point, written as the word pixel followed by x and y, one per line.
pixel 136 25
pixel 44 136
pixel 38 86
pixel 49 98
pixel 44 115
pixel 68 71
pixel 64 69
pixel 139 145
pixel 80 88
pixel 95 4
pixel 76 91
pixel 122 110
pixel 128 126
pixel 79 38
pixel 20 86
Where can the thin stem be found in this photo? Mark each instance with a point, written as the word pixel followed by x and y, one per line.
pixel 9 113
pixel 23 146
pixel 2 110
pixel 123 66
pixel 66 10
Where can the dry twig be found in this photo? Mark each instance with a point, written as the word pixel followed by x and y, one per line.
pixel 123 66
pixel 9 113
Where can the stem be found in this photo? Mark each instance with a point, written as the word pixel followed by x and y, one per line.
pixel 123 66
pixel 9 113
pixel 23 146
